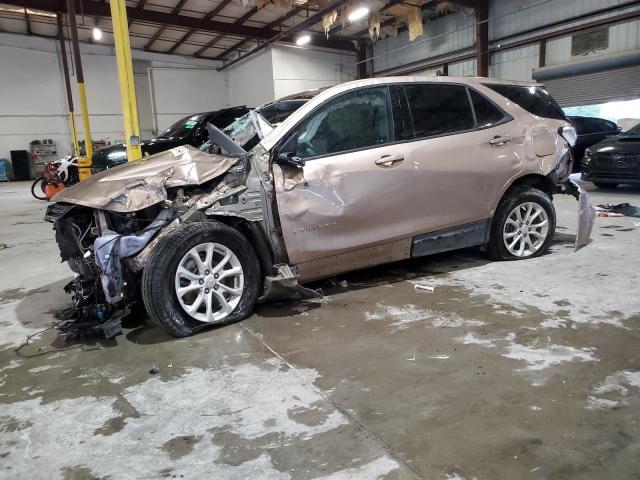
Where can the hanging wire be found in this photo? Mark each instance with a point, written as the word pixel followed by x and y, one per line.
pixel 473 25
pixel 73 65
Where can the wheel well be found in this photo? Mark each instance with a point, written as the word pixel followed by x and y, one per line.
pixel 255 236
pixel 537 181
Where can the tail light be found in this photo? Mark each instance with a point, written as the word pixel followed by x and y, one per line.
pixel 569 134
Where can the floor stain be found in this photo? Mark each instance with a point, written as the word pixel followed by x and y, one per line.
pixel 15 294
pixel 78 473
pixel 178 447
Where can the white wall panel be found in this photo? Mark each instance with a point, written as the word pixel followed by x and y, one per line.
pixel 31 102
pixel 296 70
pixel 181 91
pixel 251 81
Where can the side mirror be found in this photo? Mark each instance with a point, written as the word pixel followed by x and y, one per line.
pixel 288 158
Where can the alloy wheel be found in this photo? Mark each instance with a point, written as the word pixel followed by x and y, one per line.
pixel 525 229
pixel 209 282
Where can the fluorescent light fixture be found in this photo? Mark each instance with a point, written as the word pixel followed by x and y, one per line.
pixel 358 13
pixel 97 33
pixel 303 39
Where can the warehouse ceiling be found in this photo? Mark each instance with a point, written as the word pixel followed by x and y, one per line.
pixel 224 29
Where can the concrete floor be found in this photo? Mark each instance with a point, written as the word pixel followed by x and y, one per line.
pixel 508 370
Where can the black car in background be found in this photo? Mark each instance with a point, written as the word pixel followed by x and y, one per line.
pixel 614 161
pixel 241 131
pixel 190 130
pixel 590 130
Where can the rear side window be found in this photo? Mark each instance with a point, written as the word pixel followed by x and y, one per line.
pixel 487 114
pixel 439 109
pixel 535 100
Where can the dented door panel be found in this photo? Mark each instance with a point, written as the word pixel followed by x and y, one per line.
pixel 344 203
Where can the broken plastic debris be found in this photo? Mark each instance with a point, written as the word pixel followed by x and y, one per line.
pixel 602 213
pixel 622 209
pixel 427 288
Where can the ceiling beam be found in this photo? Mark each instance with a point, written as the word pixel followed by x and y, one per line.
pixel 151 16
pixel 288 34
pixel 217 38
pixel 156 36
pixel 139 6
pixel 207 17
pixel 277 22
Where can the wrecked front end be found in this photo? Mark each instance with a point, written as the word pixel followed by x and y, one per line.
pixel 106 226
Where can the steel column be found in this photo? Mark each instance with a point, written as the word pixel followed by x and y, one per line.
pixel 482 39
pixel 125 77
pixel 84 164
pixel 67 82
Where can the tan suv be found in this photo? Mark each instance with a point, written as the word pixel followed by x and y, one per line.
pixel 365 173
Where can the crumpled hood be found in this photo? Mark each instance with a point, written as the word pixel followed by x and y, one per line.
pixel 140 184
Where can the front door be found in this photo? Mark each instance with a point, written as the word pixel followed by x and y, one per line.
pixel 348 207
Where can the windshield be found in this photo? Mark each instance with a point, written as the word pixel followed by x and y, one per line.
pixel 633 132
pixel 242 131
pixel 182 127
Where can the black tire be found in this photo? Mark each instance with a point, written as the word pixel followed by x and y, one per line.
pixel 496 248
pixel 158 290
pixel 37 188
pixel 606 184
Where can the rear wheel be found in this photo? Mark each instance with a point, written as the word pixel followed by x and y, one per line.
pixel 523 225
pixel 37 188
pixel 605 184
pixel 203 274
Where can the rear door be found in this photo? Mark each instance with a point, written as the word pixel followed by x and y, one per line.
pixel 351 205
pixel 462 157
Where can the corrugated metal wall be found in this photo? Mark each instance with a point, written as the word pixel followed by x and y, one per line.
pixel 442 43
pixel 507 17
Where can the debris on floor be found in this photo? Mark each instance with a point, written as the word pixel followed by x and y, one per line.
pixel 426 288
pixel 604 213
pixel 622 209
pixel 155 368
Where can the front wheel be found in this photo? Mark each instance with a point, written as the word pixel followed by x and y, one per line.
pixel 523 225
pixel 203 274
pixel 37 188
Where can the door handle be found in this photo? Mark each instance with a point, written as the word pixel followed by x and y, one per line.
pixel 500 140
pixel 387 161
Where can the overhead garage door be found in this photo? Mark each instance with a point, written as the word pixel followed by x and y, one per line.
pixel 615 77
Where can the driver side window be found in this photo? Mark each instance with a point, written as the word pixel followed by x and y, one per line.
pixel 356 120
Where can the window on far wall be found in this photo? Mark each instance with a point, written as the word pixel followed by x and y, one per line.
pixel 590 41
